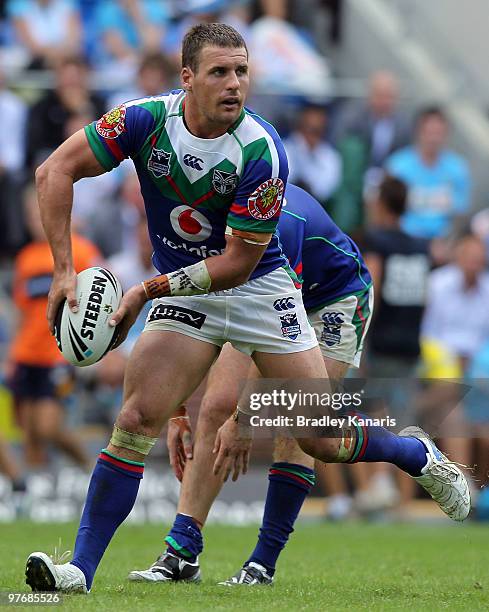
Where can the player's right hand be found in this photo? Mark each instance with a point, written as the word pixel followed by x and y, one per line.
pixel 179 441
pixel 63 286
pixel 232 447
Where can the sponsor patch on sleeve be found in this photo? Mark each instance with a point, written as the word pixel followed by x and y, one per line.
pixel 112 124
pixel 265 201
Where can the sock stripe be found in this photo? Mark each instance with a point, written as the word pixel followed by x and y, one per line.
pixel 181 550
pixel 297 478
pixel 121 463
pixel 363 446
pixel 361 443
pixel 106 452
pixel 294 468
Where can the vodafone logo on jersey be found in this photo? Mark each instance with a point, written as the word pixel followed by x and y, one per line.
pixel 190 224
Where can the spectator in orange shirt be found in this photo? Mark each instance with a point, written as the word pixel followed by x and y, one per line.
pixel 40 377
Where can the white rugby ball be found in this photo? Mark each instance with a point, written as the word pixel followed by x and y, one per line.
pixel 84 337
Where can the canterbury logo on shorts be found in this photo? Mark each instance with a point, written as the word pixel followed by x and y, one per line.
pixel 286 303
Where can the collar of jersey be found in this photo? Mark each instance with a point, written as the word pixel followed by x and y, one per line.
pixel 230 130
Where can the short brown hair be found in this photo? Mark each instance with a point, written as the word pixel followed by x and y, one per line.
pixel 393 194
pixel 208 34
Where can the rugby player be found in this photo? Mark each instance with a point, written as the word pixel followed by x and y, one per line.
pixel 337 294
pixel 212 176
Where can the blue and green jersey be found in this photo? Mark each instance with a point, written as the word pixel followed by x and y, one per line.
pixel 326 260
pixel 194 187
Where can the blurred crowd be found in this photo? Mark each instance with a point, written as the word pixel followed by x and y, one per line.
pixel 386 172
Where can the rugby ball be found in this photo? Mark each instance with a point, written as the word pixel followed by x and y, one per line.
pixel 84 337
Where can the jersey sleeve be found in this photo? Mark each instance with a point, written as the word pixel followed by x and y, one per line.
pixel 291 234
pixel 258 199
pixel 120 133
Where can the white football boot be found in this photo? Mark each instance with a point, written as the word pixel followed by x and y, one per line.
pixel 443 479
pixel 42 574
pixel 250 575
pixel 168 568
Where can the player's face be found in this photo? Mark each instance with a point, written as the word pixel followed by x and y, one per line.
pixel 220 85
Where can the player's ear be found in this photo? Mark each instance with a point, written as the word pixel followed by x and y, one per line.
pixel 186 77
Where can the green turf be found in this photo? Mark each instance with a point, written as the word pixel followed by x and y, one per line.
pixel 325 567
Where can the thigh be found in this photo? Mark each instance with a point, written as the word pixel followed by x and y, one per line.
pixel 306 364
pixel 230 369
pixel 163 370
pixel 223 386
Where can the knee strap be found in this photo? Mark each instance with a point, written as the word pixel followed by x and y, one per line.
pixel 132 441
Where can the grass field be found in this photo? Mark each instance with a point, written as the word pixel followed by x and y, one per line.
pixel 325 567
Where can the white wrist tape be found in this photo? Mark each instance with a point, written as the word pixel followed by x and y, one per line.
pixel 192 280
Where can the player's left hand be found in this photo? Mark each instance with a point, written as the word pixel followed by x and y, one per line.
pixel 128 312
pixel 179 441
pixel 232 447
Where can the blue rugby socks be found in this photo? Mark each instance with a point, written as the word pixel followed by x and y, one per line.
pixel 288 487
pixel 111 495
pixel 380 444
pixel 185 538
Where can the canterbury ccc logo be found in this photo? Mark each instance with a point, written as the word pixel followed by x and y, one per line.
pixel 332 318
pixel 193 162
pixel 190 224
pixel 282 304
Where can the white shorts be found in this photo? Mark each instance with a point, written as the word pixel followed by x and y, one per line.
pixel 265 315
pixel 341 327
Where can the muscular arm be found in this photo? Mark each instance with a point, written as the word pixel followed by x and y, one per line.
pixel 235 266
pixel 54 182
pixel 225 271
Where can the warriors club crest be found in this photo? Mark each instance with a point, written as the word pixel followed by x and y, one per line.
pixel 224 183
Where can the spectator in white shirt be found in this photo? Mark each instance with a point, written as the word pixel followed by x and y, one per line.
pixel 457 313
pixel 313 163
pixel 457 320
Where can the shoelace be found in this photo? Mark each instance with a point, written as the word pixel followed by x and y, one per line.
pixel 58 557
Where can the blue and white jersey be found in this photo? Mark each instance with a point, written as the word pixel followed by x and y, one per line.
pixel 325 259
pixel 436 193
